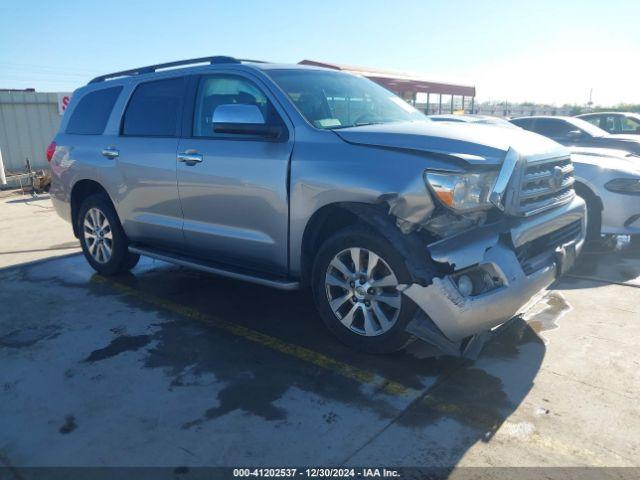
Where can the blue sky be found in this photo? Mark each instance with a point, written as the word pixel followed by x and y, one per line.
pixel 547 51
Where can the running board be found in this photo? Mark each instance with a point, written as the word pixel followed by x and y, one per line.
pixel 216 269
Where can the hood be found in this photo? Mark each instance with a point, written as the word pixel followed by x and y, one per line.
pixel 630 138
pixel 472 142
pixel 603 152
pixel 587 165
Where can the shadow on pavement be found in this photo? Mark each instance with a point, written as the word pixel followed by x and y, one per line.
pixel 617 262
pixel 452 405
pixel 30 199
pixel 61 246
pixel 449 388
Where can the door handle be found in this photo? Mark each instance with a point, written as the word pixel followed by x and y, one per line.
pixel 110 152
pixel 190 157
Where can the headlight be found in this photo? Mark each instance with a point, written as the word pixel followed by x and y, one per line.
pixel 462 191
pixel 624 185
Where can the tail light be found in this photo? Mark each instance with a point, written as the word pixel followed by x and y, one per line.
pixel 50 151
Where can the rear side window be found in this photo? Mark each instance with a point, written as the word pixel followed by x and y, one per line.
pixel 92 112
pixel 154 109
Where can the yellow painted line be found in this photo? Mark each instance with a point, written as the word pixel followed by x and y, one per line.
pixel 378 382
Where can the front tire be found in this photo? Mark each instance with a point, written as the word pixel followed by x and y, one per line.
pixel 103 241
pixel 354 280
pixel 594 219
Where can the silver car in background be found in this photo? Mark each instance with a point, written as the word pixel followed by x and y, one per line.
pixel 576 132
pixel 617 123
pixel 293 176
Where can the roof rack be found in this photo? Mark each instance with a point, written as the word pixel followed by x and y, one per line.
pixel 218 59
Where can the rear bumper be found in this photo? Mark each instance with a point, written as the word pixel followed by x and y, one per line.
pixel 62 207
pixel 498 248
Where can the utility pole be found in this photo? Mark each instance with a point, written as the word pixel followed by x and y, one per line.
pixel 590 103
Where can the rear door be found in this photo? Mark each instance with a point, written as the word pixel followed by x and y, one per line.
pixel 148 199
pixel 235 200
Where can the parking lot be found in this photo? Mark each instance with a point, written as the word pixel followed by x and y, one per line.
pixel 176 368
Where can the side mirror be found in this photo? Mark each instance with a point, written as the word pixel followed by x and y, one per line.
pixel 240 119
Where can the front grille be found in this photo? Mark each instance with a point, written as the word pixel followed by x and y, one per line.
pixel 530 254
pixel 543 184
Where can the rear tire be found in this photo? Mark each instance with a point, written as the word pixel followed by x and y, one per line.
pixel 359 304
pixel 103 241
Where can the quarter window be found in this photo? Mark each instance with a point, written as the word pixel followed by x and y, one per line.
pixel 92 112
pixel 154 109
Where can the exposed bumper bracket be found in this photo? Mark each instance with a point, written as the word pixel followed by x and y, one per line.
pixel 457 316
pixel 423 328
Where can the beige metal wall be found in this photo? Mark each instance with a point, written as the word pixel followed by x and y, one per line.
pixel 28 123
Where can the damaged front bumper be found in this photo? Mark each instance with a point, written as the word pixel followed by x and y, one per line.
pixel 518 258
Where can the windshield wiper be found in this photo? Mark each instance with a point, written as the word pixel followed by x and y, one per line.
pixel 364 124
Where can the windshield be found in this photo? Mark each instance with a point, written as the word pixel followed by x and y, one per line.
pixel 590 128
pixel 333 100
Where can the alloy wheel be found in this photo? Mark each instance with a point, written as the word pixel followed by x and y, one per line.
pixel 361 290
pixel 98 236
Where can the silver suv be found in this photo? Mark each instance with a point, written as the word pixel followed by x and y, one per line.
pixel 293 176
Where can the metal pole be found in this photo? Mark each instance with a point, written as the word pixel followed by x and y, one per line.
pixel 440 104
pixel 472 103
pixel 452 97
pixel 3 177
pixel 30 172
pixel 428 104
pixel 462 103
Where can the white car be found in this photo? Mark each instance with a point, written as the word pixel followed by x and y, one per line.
pixel 478 119
pixel 609 181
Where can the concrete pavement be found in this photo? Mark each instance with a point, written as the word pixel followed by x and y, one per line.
pixel 170 367
pixel 30 229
